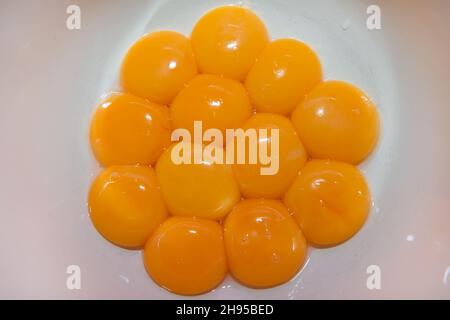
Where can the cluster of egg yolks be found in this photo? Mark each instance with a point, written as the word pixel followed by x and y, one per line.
pixel 126 205
pixel 158 65
pixel 291 157
pixel 218 102
pixel 281 77
pixel 264 245
pixel 227 40
pixel 128 130
pixel 330 200
pixel 204 190
pixel 337 121
pixel 186 255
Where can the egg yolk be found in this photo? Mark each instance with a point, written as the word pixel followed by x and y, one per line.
pixel 330 200
pixel 126 205
pixel 291 157
pixel 129 130
pixel 205 190
pixel 337 121
pixel 218 102
pixel 227 40
pixel 264 245
pixel 283 74
pixel 186 255
pixel 158 65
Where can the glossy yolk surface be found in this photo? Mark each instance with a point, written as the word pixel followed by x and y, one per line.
pixel 330 200
pixel 262 239
pixel 227 40
pixel 129 130
pixel 337 121
pixel 264 245
pixel 205 190
pixel 291 156
pixel 158 65
pixel 126 205
pixel 218 102
pixel 283 74
pixel 186 255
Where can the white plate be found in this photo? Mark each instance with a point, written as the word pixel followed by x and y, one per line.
pixel 51 78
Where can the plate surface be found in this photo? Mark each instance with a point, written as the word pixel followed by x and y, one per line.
pixel 52 77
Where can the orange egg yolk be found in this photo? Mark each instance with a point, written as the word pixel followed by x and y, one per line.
pixel 186 255
pixel 128 130
pixel 218 102
pixel 330 200
pixel 158 65
pixel 126 205
pixel 283 74
pixel 337 121
pixel 264 245
pixel 205 190
pixel 227 40
pixel 291 157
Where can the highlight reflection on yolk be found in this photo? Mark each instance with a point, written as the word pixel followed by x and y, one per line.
pixel 186 255
pixel 158 65
pixel 264 245
pixel 330 200
pixel 128 130
pixel 218 102
pixel 337 121
pixel 227 40
pixel 126 205
pixel 205 190
pixel 281 77
pixel 291 156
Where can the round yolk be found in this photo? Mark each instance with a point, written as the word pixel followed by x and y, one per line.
pixel 128 130
pixel 330 200
pixel 186 255
pixel 126 205
pixel 337 121
pixel 205 189
pixel 218 102
pixel 269 179
pixel 264 245
pixel 227 40
pixel 283 74
pixel 158 65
